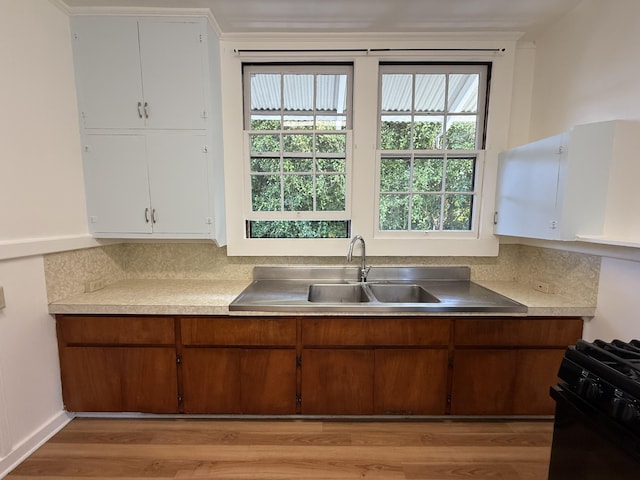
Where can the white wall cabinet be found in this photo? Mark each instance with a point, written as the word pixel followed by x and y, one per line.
pixel 134 73
pixel 569 186
pixel 147 184
pixel 145 101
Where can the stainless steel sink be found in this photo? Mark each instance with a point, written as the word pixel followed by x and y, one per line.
pixel 390 293
pixel 388 290
pixel 338 293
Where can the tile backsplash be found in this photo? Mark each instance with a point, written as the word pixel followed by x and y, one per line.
pixel 67 273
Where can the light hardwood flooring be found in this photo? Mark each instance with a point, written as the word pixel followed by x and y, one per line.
pixel 128 449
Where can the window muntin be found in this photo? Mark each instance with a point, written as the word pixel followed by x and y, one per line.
pixel 431 128
pixel 298 124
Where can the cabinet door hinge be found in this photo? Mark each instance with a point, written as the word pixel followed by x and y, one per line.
pixel 201 38
pixel 298 399
pixel 448 399
pixel 179 399
pixel 560 149
pixel 179 359
pixel 299 361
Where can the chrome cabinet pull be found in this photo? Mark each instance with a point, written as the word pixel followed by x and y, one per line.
pixel 153 215
pixel 146 215
pixel 146 110
pixel 139 109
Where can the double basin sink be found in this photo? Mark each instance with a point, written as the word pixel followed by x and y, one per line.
pixel 387 290
pixel 369 292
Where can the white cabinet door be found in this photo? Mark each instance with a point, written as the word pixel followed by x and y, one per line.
pixel 117 183
pixel 172 73
pixel 107 62
pixel 179 184
pixel 529 195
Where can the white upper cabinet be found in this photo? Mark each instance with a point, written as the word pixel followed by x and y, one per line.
pixel 150 157
pixel 571 186
pixel 140 73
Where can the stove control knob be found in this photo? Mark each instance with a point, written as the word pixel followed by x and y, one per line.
pixel 588 388
pixel 624 410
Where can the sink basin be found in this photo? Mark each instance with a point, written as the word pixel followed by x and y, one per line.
pixel 401 294
pixel 337 293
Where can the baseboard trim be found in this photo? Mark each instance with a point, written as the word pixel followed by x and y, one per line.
pixel 21 451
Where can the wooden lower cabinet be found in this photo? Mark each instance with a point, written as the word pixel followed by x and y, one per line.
pixel 237 380
pixel 312 365
pixel 507 366
pixel 119 379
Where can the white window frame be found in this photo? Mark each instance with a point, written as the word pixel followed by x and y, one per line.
pixel 301 68
pixel 450 68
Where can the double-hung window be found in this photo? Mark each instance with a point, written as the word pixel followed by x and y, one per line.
pixel 298 135
pixel 431 136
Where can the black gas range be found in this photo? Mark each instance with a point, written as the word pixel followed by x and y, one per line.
pixel 597 421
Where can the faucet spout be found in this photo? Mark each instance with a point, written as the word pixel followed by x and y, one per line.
pixel 364 270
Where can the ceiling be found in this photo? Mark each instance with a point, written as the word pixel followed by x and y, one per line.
pixel 361 16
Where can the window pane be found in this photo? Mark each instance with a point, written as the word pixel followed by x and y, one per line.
pixel 461 133
pixel 331 143
pixel 395 133
pixel 394 212
pixel 338 165
pixel 263 164
pixel 265 143
pixel 331 93
pixel 335 122
pixel 297 165
pixel 298 192
pixel 298 92
pixel 425 212
pixel 463 93
pixel 298 229
pixel 297 143
pixel 265 122
pixel 457 212
pixel 331 192
pixel 460 174
pixel 427 132
pixel 298 122
pixel 265 193
pixel 430 93
pixel 427 174
pixel 395 174
pixel 397 92
pixel 265 92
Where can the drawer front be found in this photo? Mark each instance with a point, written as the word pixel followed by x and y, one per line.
pixel 391 331
pixel 264 331
pixel 114 330
pixel 518 332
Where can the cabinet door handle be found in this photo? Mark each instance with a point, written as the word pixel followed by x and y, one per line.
pixel 153 215
pixel 139 109
pixel 146 110
pixel 146 215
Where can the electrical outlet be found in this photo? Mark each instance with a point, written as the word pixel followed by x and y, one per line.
pixel 543 287
pixel 93 285
pixel 3 304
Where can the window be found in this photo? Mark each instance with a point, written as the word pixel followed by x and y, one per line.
pixel 298 131
pixel 431 131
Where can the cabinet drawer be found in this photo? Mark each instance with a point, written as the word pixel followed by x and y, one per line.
pixel 113 330
pixel 518 332
pixel 238 331
pixel 375 331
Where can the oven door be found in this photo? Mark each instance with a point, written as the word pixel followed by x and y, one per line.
pixel 587 445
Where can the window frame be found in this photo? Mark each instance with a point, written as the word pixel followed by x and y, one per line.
pixel 345 68
pixel 414 68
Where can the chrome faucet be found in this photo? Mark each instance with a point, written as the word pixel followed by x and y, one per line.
pixel 364 270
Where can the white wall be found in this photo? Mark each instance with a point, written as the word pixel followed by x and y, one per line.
pixel 41 209
pixel 586 70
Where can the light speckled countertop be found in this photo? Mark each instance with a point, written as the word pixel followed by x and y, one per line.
pixel 212 297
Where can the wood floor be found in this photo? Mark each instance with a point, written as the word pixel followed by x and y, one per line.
pixel 95 449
